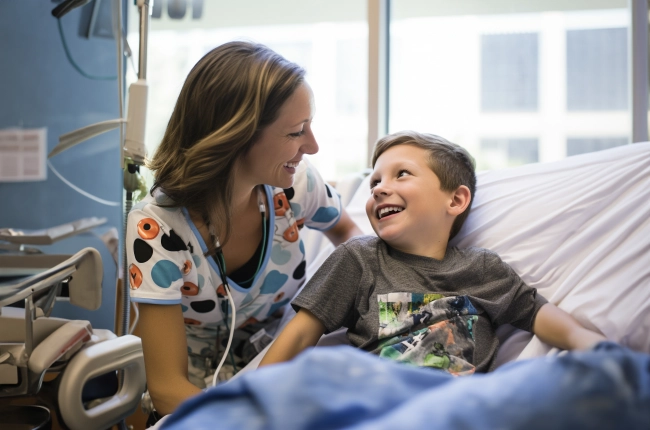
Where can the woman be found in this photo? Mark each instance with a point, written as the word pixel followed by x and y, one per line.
pixel 231 192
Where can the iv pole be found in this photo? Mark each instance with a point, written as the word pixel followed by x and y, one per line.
pixel 133 150
pixel 132 147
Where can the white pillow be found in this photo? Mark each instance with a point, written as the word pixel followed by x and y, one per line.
pixel 578 230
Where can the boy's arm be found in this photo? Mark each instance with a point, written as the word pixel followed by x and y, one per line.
pixel 344 229
pixel 557 328
pixel 303 331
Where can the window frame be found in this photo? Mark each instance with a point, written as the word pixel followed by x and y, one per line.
pixel 379 56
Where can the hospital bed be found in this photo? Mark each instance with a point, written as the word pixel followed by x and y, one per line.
pixel 578 230
pixel 67 365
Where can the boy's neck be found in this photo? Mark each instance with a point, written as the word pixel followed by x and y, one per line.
pixel 435 249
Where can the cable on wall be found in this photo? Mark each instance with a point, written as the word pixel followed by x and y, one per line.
pixel 79 190
pixel 73 63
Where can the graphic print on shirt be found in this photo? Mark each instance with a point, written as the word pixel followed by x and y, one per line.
pixel 428 330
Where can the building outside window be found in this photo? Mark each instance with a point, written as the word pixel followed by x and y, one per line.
pixel 509 72
pixel 513 82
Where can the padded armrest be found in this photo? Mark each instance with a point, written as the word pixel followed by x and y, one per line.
pixel 67 339
pixel 124 352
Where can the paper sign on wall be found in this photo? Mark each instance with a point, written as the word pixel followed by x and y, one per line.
pixel 22 154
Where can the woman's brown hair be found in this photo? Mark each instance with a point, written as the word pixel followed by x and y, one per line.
pixel 229 96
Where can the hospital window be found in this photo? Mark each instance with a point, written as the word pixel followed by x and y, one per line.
pixel 328 39
pixel 581 145
pixel 485 73
pixel 509 72
pixel 597 69
pixel 467 70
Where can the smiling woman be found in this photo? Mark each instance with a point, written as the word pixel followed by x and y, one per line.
pixel 232 191
pixel 281 145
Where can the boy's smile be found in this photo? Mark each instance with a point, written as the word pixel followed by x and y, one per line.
pixel 384 211
pixel 407 208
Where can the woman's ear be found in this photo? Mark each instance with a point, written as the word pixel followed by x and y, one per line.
pixel 459 200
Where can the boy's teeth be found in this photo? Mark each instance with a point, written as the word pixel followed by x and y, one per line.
pixel 291 164
pixel 388 209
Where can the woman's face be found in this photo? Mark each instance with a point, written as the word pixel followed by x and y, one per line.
pixel 274 157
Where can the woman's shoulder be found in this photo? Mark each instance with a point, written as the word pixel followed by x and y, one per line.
pixel 160 207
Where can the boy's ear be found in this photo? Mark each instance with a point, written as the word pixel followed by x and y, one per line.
pixel 459 200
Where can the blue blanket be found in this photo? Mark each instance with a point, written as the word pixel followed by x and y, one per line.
pixel 342 387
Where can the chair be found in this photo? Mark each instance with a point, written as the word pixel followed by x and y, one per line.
pixel 100 377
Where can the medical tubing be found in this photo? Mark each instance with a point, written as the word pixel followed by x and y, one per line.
pixel 230 354
pixel 221 265
pixel 79 190
pixel 262 207
pixel 74 64
pixel 230 337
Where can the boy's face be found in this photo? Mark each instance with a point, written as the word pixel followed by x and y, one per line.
pixel 407 208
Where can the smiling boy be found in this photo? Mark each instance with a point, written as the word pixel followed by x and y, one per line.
pixel 407 295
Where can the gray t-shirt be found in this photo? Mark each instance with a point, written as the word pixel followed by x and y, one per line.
pixel 428 312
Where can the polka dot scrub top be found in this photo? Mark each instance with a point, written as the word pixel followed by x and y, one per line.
pixel 165 254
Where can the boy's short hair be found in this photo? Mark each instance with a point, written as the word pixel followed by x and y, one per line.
pixel 453 165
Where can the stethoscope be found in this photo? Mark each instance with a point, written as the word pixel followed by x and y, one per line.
pixel 220 262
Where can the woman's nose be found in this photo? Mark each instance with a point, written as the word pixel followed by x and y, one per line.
pixel 310 146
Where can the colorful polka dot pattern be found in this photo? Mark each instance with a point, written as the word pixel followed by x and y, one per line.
pixel 166 262
pixel 165 272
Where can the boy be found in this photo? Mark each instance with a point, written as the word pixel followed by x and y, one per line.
pixel 405 294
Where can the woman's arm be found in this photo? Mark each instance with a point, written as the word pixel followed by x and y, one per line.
pixel 164 345
pixel 343 230
pixel 557 328
pixel 303 331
